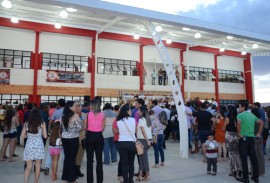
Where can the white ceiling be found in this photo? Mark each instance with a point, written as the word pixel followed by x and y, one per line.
pixel 94 19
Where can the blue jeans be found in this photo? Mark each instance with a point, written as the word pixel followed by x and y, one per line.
pixel 158 149
pixel 109 147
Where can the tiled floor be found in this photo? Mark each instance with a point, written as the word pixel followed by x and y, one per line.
pixel 191 170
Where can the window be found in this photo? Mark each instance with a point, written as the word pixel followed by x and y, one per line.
pixel 226 103
pixel 50 98
pixel 230 76
pixel 15 58
pixel 113 101
pixel 116 67
pixel 13 99
pixel 61 62
pixel 200 73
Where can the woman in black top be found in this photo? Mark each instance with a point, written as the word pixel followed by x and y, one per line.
pixel 232 141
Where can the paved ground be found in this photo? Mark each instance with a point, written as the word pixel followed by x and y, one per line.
pixel 177 170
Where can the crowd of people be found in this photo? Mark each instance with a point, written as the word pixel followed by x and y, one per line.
pixel 223 133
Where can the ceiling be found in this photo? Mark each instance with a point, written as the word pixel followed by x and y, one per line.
pixel 94 19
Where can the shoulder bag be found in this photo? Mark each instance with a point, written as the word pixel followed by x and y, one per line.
pixel 139 146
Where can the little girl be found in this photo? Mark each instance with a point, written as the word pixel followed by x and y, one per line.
pixel 55 149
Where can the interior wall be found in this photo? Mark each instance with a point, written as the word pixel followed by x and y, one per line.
pixel 65 44
pixel 199 59
pixel 230 63
pixel 17 39
pixel 118 50
pixel 150 54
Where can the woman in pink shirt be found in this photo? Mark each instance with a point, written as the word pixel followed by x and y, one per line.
pixel 94 124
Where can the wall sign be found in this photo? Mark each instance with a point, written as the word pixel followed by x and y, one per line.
pixel 4 76
pixel 65 76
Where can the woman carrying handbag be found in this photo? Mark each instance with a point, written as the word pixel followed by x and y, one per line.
pixel 126 126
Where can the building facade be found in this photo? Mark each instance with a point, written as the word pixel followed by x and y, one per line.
pixel 112 66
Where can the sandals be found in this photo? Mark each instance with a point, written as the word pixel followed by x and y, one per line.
pixel 147 178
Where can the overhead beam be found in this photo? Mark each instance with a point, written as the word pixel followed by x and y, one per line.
pixel 111 23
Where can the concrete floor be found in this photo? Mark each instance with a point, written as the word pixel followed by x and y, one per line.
pixel 177 170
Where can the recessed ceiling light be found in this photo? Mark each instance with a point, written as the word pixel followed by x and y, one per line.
pixel 197 35
pixel 169 41
pixel 72 10
pixel 102 67
pixel 229 37
pixel 6 4
pixel 63 14
pixel 136 36
pixel 243 53
pixel 222 49
pixel 158 28
pixel 255 46
pixel 14 20
pixel 185 29
pixel 57 26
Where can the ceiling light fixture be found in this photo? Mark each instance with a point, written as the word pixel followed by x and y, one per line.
pixel 158 28
pixel 169 41
pixel 136 36
pixel 6 4
pixel 222 49
pixel 230 37
pixel 197 35
pixel 243 53
pixel 63 14
pixel 14 20
pixel 185 29
pixel 255 46
pixel 72 10
pixel 57 26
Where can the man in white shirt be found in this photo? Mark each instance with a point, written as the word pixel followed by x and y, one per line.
pixel 214 102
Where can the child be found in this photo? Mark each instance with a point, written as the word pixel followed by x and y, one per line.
pixel 54 149
pixel 211 154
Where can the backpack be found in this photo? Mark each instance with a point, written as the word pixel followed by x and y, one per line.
pixel 163 118
pixel 174 121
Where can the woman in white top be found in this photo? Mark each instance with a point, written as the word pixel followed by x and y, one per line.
pixel 126 127
pixel 144 135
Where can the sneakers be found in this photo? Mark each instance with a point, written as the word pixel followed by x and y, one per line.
pixel 213 173
pixel 46 171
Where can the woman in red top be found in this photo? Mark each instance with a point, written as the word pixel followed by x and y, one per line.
pixel 220 136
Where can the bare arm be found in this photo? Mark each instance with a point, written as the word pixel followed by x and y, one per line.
pixel 260 122
pixel 23 134
pixel 226 122
pixel 239 127
pixel 85 121
pixel 103 122
pixel 44 131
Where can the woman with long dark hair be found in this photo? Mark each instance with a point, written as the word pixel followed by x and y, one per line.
pixel 126 126
pixel 71 126
pixel 10 134
pixel 94 124
pixel 34 128
pixel 144 135
pixel 230 127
